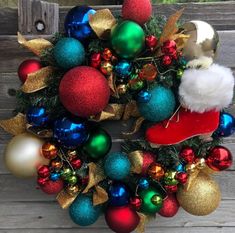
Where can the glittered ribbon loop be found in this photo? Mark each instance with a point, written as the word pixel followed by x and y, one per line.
pixel 102 22
pixel 136 159
pixel 136 127
pixel 37 46
pixel 38 80
pixel 15 125
pixel 100 196
pixel 64 199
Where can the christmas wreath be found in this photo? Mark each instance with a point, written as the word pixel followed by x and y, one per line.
pixel 159 72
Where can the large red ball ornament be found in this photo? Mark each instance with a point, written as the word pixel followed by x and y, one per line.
pixel 139 11
pixel 122 219
pixel 52 187
pixel 170 206
pixel 84 91
pixel 219 159
pixel 27 67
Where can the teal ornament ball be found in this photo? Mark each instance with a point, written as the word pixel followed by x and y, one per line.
pixel 127 39
pixel 82 211
pixel 68 53
pixel 117 166
pixel 161 105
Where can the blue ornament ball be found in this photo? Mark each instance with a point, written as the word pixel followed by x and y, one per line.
pixel 226 126
pixel 118 194
pixel 123 69
pixel 82 211
pixel 161 105
pixel 77 22
pixel 68 53
pixel 180 167
pixel 37 116
pixel 70 133
pixel 143 183
pixel 55 176
pixel 117 166
pixel 144 96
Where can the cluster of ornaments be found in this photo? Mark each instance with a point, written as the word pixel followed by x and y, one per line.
pixel 61 162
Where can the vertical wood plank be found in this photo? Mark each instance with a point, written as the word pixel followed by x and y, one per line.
pixel 38 17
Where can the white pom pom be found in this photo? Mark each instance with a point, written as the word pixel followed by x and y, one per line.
pixel 207 89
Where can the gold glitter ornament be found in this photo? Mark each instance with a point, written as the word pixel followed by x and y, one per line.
pixel 202 198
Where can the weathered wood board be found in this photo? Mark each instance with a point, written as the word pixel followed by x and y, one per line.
pixel 24 208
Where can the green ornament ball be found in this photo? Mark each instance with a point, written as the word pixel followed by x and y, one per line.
pixel 98 144
pixel 127 39
pixel 151 201
pixel 170 178
pixel 66 173
pixel 72 180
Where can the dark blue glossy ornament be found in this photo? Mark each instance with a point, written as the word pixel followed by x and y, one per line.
pixel 37 116
pixel 77 22
pixel 226 125
pixel 180 167
pixel 54 176
pixel 70 133
pixel 118 194
pixel 144 96
pixel 143 183
pixel 123 69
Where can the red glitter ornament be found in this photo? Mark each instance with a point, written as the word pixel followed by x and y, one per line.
pixel 27 67
pixel 84 91
pixel 182 177
pixel 44 171
pixel 139 11
pixel 95 60
pixel 76 163
pixel 187 154
pixel 170 206
pixel 166 60
pixel 107 54
pixel 136 202
pixel 151 41
pixel 52 187
pixel 148 159
pixel 169 47
pixel 122 219
pixel 171 188
pixel 42 181
pixel 219 159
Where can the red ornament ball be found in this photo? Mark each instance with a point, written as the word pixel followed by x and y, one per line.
pixel 43 171
pixel 76 163
pixel 187 154
pixel 136 202
pixel 84 91
pixel 95 60
pixel 139 11
pixel 166 60
pixel 182 177
pixel 148 159
pixel 219 159
pixel 27 67
pixel 52 187
pixel 171 188
pixel 122 219
pixel 169 47
pixel 151 41
pixel 42 181
pixel 170 206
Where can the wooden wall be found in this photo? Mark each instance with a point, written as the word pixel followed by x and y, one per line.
pixel 24 209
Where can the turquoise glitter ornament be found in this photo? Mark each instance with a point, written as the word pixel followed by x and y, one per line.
pixel 82 211
pixel 68 53
pixel 161 105
pixel 117 166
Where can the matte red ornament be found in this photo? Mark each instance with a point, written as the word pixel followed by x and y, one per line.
pixel 52 187
pixel 182 177
pixel 139 11
pixel 148 159
pixel 166 60
pixel 76 163
pixel 95 60
pixel 84 91
pixel 122 219
pixel 42 181
pixel 187 154
pixel 184 125
pixel 170 206
pixel 151 41
pixel 171 188
pixel 136 202
pixel 44 171
pixel 169 47
pixel 219 159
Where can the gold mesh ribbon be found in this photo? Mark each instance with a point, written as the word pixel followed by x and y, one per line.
pixel 38 80
pixel 102 22
pixel 64 199
pixel 39 132
pixel 100 196
pixel 135 128
pixel 143 220
pixel 136 159
pixel 15 125
pixel 37 46
pixel 96 175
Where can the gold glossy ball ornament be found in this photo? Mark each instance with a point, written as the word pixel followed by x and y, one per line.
pixel 203 41
pixel 23 155
pixel 202 198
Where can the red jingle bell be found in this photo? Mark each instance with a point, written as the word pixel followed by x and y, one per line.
pixel 107 54
pixel 42 181
pixel 151 41
pixel 171 188
pixel 169 47
pixel 219 159
pixel 187 154
pixel 166 60
pixel 95 60
pixel 136 202
pixel 182 177
pixel 44 171
pixel 76 163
